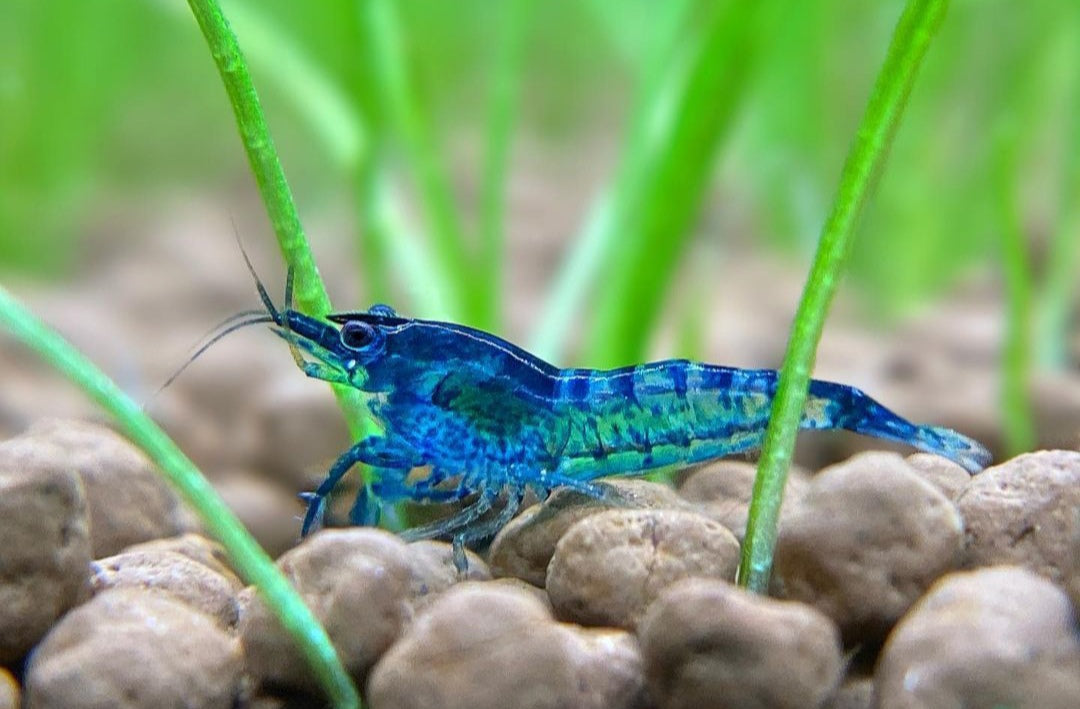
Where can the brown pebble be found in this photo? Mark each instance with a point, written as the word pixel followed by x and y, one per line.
pixel 481 647
pixel 1024 512
pixel 287 451
pixel 949 477
pixel 610 566
pixel 9 691
pixel 356 580
pixel 433 570
pixel 209 411
pixel 708 643
pixel 167 571
pixel 610 669
pixel 723 489
pixel 519 585
pixel 854 693
pixel 195 547
pixel 867 539
pixel 1072 580
pixel 994 637
pixel 134 649
pixel 45 554
pixel 524 547
pixel 127 500
pixel 265 508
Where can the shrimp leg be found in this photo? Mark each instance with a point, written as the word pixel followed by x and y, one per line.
pixel 378 451
pixel 598 491
pixel 365 511
pixel 488 528
pixel 456 521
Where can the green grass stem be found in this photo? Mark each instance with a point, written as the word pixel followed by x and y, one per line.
pixel 313 94
pixel 916 28
pixel 247 557
pixel 336 123
pixel 658 209
pixel 1017 356
pixel 601 237
pixel 310 293
pixel 1011 143
pixel 502 115
pixel 1063 257
pixel 1017 359
pixel 381 29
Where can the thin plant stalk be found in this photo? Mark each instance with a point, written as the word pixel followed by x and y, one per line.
pixel 310 293
pixel 349 143
pixel 247 557
pixel 657 213
pixel 916 28
pixel 638 229
pixel 1019 427
pixel 1011 142
pixel 382 30
pixel 501 117
pixel 1017 357
pixel 598 238
pixel 1063 251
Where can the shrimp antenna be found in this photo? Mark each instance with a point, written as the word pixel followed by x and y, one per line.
pixel 279 317
pixel 264 296
pixel 283 322
pixel 240 320
pixel 227 326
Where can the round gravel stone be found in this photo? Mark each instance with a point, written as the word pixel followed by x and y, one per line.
pixel 1024 512
pixel 127 500
pixel 708 644
pixel 609 567
pixel 45 554
pixel 949 477
pixel 181 577
pixel 195 547
pixel 722 490
pixel 483 647
pixel 867 539
pixel 994 637
pixel 433 570
pixel 357 582
pixel 524 547
pixel 134 649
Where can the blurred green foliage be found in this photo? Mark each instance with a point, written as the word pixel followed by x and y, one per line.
pixel 112 102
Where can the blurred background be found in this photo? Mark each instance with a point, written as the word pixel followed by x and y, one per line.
pixel 603 181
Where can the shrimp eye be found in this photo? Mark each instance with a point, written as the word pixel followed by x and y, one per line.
pixel 357 335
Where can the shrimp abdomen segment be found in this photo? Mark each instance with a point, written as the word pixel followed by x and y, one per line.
pixel 677 412
pixel 660 414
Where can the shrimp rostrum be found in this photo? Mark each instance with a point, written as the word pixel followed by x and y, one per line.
pixel 485 419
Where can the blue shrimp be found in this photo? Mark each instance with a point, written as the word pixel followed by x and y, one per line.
pixel 485 418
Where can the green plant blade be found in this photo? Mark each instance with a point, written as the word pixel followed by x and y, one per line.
pixel 1010 142
pixel 656 218
pixel 315 97
pixel 911 39
pixel 381 31
pixel 598 238
pixel 501 117
pixel 638 230
pixel 270 178
pixel 1056 297
pixel 254 565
